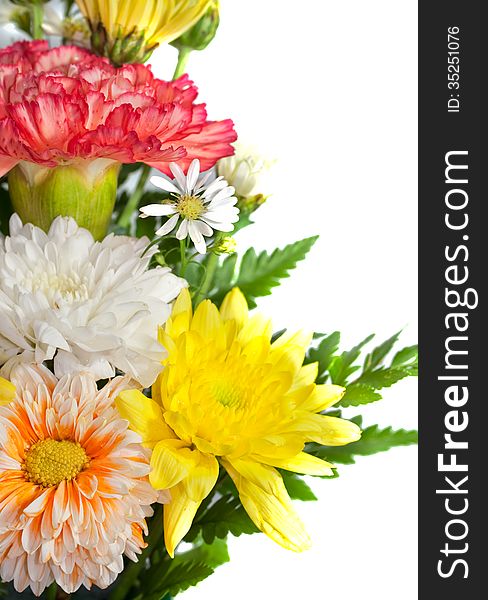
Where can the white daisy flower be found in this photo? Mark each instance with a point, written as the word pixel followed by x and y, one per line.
pixel 89 306
pixel 197 204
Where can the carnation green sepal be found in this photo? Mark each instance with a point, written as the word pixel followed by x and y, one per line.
pixel 203 32
pixel 85 190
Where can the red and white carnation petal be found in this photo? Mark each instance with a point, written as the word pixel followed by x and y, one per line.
pixel 66 103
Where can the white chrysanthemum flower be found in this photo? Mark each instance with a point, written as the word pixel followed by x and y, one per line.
pixel 198 204
pixel 9 12
pixel 90 306
pixel 246 171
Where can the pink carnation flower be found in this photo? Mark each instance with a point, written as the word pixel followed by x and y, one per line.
pixel 65 104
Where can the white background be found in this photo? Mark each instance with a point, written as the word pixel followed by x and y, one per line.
pixel 328 89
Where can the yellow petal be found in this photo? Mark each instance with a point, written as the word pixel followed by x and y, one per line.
pixel 288 351
pixel 273 512
pixel 332 431
pixel 171 461
pixel 322 397
pixel 202 477
pixel 7 391
pixel 207 322
pixel 303 463
pixel 181 316
pixel 234 307
pixel 144 415
pixel 182 303
pixel 178 517
pixel 186 497
pixel 254 327
pixel 305 376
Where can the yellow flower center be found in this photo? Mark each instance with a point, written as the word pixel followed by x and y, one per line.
pixel 227 394
pixel 190 207
pixel 49 462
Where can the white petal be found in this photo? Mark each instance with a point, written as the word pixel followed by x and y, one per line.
pixel 165 184
pixel 157 210
pixel 182 230
pixel 197 238
pixel 204 228
pixel 218 225
pixel 192 175
pixel 227 192
pixel 219 184
pixel 168 226
pixel 179 176
pixel 230 201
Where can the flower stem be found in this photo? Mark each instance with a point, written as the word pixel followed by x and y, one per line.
pixel 37 16
pixel 184 261
pixel 183 56
pixel 213 261
pixel 129 575
pixel 133 202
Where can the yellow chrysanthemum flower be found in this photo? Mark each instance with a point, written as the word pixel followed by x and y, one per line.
pixel 7 391
pixel 230 395
pixel 130 29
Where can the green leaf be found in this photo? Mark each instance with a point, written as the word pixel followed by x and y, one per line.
pixel 405 356
pixel 213 555
pixel 382 378
pixel 359 393
pixel 227 515
pixel 185 570
pixel 324 354
pixel 297 488
pixel 380 352
pixel 178 577
pixel 342 367
pixel 373 440
pixel 244 221
pixel 257 274
pixel 225 272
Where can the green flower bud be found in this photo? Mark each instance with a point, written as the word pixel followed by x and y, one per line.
pixel 227 245
pixel 248 204
pixel 85 191
pixel 203 32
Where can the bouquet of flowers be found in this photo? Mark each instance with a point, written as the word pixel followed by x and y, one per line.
pixel 144 403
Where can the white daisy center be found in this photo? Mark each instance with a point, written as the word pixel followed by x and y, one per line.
pixel 190 207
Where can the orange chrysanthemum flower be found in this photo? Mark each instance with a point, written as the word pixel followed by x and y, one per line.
pixel 74 493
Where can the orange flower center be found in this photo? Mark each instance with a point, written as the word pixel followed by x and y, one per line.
pixel 49 462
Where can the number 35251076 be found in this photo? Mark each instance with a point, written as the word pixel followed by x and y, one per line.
pixel 453 58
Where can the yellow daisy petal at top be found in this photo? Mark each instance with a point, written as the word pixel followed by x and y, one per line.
pixel 230 395
pixel 7 391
